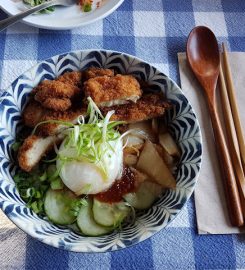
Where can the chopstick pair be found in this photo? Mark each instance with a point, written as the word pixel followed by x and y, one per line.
pixel 235 137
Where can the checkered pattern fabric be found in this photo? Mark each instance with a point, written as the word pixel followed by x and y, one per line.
pixel 154 31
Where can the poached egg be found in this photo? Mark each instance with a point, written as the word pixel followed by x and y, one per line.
pixel 84 177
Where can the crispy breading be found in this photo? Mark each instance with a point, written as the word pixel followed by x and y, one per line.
pixel 72 78
pixel 48 129
pixel 93 72
pixel 109 91
pixel 56 90
pixel 57 104
pixel 147 107
pixel 33 149
pixel 33 113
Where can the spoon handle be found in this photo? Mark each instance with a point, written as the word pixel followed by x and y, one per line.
pixel 14 19
pixel 232 194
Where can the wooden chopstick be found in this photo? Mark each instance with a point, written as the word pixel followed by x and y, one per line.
pixel 234 107
pixel 232 140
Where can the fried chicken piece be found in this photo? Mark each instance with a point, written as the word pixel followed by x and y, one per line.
pixel 93 72
pixel 33 113
pixel 55 90
pixel 36 146
pixel 109 91
pixel 33 149
pixel 73 78
pixel 50 128
pixel 147 107
pixel 57 104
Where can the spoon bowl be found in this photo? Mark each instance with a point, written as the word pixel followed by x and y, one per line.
pixel 203 58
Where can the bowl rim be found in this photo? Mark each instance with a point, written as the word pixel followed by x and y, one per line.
pixel 67 247
pixel 28 21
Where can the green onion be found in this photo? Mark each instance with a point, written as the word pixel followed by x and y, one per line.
pixel 34 207
pixel 90 138
pixel 87 8
pixel 32 188
pixel 52 172
pixel 85 189
pixel 76 205
pixel 57 184
pixel 16 145
pixel 43 177
pixel 34 3
pixel 52 122
pixel 38 194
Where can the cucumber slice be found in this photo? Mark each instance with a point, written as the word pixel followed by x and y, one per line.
pixel 107 214
pixel 57 205
pixel 87 224
pixel 144 197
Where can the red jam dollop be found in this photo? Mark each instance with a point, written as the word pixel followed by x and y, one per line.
pixel 120 187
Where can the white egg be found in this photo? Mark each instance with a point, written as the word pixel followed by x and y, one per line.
pixel 83 177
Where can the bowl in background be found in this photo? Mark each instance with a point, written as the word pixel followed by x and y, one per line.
pixel 63 18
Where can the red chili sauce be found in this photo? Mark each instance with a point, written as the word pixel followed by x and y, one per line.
pixel 120 187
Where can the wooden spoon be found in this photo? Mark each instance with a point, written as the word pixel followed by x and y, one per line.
pixel 204 59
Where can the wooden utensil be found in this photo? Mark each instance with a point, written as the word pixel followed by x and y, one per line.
pixel 203 57
pixel 234 107
pixel 232 139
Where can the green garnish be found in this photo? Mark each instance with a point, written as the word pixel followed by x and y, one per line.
pixel 85 189
pixel 68 124
pixel 34 3
pixel 16 145
pixel 90 139
pixel 32 188
pixel 57 184
pixel 52 172
pixel 87 7
pixel 43 177
pixel 76 205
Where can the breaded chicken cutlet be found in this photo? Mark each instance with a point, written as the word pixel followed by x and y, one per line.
pixel 147 107
pixel 33 149
pixel 93 72
pixel 46 135
pixel 55 95
pixel 108 91
pixel 33 113
pixel 50 100
pixel 61 100
pixel 73 78
pixel 70 116
pixel 57 104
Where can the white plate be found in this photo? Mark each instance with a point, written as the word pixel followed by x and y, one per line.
pixel 63 17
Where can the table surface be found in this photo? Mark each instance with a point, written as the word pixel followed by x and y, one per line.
pixel 154 31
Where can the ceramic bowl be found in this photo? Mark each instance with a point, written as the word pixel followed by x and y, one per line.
pixel 181 121
pixel 63 18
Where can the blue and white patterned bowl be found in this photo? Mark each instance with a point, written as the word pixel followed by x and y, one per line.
pixel 182 123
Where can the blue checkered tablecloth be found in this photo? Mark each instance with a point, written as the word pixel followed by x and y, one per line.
pixel 155 31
